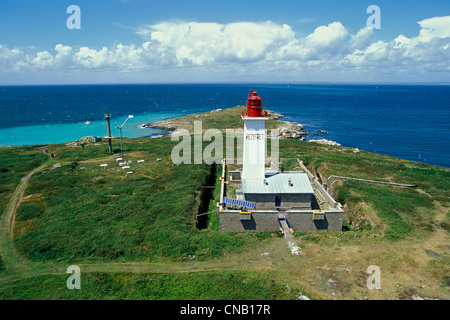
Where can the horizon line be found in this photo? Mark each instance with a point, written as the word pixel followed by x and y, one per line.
pixel 441 83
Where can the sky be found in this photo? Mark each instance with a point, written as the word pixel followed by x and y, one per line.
pixel 178 41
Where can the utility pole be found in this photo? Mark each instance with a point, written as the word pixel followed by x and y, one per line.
pixel 108 131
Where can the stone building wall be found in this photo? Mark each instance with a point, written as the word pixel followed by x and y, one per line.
pixel 301 221
pixel 264 221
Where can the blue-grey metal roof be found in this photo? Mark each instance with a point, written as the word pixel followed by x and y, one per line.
pixel 279 183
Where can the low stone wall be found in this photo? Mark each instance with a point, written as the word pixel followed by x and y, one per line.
pixel 260 221
pixel 301 221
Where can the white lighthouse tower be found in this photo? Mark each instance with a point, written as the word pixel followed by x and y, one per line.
pixel 254 139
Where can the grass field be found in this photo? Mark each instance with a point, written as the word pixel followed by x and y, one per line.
pixel 217 285
pixel 83 211
pixel 135 236
pixel 15 162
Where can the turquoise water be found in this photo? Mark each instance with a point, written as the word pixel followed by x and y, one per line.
pixel 66 132
pixel 407 121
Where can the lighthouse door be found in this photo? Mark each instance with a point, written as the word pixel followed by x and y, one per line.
pixel 277 201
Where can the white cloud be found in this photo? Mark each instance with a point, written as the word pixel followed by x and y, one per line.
pixel 63 55
pixel 42 60
pixel 91 58
pixel 247 48
pixel 428 51
pixel 194 43
pixel 362 38
pixel 11 59
pixel 327 36
pixel 437 27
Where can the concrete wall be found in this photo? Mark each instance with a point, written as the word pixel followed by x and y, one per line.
pixel 288 200
pixel 300 221
pixel 265 221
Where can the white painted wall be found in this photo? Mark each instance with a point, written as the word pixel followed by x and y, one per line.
pixel 255 136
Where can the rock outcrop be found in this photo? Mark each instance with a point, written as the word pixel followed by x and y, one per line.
pixel 168 124
pixel 325 141
pixel 274 115
pixel 290 130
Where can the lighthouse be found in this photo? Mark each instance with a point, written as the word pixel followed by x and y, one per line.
pixel 254 138
pixel 270 200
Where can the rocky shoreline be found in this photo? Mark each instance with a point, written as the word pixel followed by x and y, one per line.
pixel 326 142
pixel 291 130
pixel 286 129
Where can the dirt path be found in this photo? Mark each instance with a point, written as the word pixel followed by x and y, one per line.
pixel 10 256
pixel 325 271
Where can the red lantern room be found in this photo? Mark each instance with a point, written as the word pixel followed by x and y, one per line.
pixel 254 105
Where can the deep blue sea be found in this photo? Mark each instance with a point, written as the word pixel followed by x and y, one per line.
pixel 407 121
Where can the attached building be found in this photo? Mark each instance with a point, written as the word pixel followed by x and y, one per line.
pixel 282 190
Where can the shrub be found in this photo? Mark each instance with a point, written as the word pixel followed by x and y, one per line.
pixel 2 265
pixel 28 211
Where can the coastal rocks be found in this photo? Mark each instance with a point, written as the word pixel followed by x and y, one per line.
pixel 164 124
pixel 178 132
pixel 274 115
pixel 326 142
pixel 290 130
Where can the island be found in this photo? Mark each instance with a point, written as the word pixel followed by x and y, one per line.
pixel 151 231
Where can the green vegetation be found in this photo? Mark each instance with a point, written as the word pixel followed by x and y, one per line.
pixel 28 211
pixel 213 221
pixel 206 285
pixel 137 233
pixel 403 211
pixel 81 210
pixel 445 225
pixel 2 266
pixel 16 162
pixel 226 119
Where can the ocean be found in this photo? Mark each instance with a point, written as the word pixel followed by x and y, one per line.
pixel 406 121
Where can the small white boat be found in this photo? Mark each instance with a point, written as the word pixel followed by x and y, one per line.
pixel 87 122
